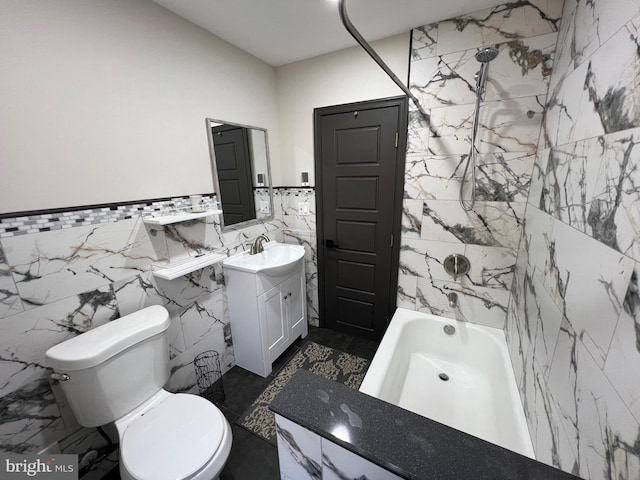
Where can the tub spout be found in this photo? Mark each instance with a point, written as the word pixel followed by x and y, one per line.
pixel 453 299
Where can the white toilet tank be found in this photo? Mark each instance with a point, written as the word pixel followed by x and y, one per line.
pixel 115 367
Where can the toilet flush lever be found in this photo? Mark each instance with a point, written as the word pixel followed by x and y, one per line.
pixel 59 377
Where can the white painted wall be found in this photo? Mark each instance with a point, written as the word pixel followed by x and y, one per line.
pixel 105 101
pixel 345 76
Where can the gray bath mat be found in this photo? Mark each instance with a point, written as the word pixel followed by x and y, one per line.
pixel 319 359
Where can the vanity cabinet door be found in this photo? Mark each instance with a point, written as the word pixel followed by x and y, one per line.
pixel 274 321
pixel 295 297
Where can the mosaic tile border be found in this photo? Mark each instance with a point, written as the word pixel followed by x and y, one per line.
pixel 294 191
pixel 47 221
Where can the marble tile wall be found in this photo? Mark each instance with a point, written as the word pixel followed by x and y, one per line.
pixel 573 324
pixel 83 268
pixel 442 71
pixel 305 455
pixel 301 230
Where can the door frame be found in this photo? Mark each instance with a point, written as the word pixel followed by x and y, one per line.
pixel 402 103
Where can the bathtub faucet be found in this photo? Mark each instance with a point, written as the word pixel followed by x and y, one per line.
pixel 453 299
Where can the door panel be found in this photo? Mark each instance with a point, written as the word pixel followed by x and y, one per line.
pixel 358 236
pixel 357 276
pixel 277 331
pixel 296 301
pixel 233 159
pixel 357 145
pixel 359 170
pixel 357 193
pixel 355 313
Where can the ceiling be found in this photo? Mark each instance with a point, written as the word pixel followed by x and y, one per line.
pixel 285 31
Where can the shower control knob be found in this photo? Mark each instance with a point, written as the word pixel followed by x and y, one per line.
pixel 456 265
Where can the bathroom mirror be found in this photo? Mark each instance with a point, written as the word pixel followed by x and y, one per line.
pixel 241 172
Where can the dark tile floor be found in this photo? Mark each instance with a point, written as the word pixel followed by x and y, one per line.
pixel 252 457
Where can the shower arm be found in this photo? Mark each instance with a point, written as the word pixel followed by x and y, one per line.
pixel 372 53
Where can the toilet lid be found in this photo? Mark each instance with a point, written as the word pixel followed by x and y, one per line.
pixel 173 440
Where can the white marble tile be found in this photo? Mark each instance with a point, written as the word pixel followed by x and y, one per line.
pixel 407 288
pixel 451 130
pixel 570 181
pixel 495 224
pixel 542 322
pixel 609 103
pixel 183 374
pixel 10 302
pixel 339 464
pixel 538 237
pixel 486 306
pixel 291 219
pixel 52 265
pixel 586 26
pixel 26 336
pixel 139 292
pixel 491 267
pixel 418 132
pixel 175 336
pixel 445 80
pixel 517 341
pixel 562 109
pixel 614 212
pixel 590 293
pixel 504 177
pixel 29 418
pixel 624 353
pixel 423 41
pixel 537 177
pixel 550 439
pixel 299 451
pixel 425 259
pixel 499 24
pixel 522 68
pixel 599 425
pixel 511 125
pixel 188 239
pixel 200 319
pixel 433 177
pixel 144 290
pixel 411 218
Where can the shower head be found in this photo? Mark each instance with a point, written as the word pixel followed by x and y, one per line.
pixel 486 54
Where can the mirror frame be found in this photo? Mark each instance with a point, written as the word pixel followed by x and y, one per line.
pixel 216 185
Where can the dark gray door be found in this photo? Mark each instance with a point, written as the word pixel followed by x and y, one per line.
pixel 360 151
pixel 233 163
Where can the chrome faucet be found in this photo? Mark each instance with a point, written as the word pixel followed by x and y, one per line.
pixel 258 246
pixel 453 299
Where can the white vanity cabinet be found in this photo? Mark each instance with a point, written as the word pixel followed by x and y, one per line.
pixel 268 313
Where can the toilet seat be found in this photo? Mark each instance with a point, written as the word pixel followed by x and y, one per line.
pixel 173 440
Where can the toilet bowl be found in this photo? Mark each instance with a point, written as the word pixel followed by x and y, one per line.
pixel 115 373
pixel 173 436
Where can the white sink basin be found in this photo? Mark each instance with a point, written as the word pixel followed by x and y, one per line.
pixel 277 259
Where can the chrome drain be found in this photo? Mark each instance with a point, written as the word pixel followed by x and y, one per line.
pixel 449 329
pixel 444 377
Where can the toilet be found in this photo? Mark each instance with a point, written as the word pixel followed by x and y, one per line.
pixel 116 373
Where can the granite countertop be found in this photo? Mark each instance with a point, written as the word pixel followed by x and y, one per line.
pixel 407 444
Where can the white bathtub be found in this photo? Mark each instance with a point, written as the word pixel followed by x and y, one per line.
pixel 480 396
